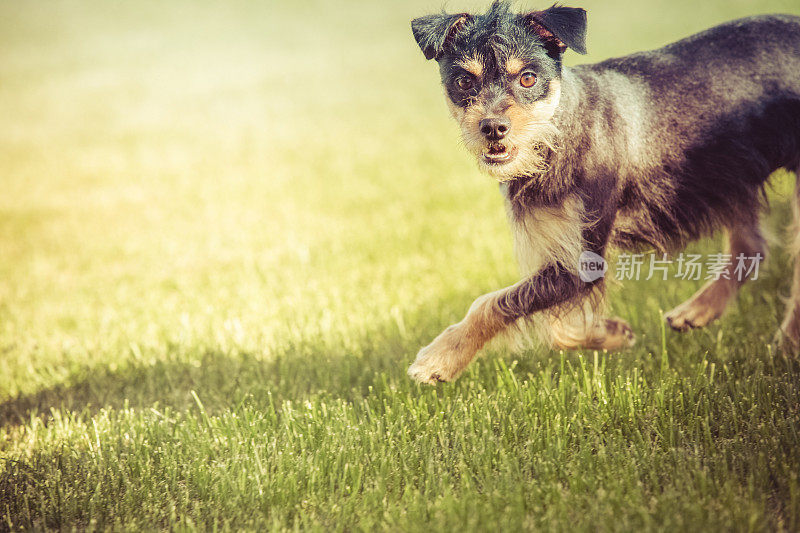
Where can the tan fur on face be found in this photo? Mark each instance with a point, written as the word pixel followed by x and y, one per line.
pixel 531 133
pixel 514 66
pixel 473 65
pixel 544 109
pixel 468 119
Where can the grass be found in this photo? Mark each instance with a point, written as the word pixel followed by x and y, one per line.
pixel 226 229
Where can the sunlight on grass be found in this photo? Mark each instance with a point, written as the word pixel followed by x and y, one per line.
pixel 226 229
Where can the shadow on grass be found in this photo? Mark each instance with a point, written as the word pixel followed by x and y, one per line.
pixel 222 380
pixel 344 370
pixel 347 370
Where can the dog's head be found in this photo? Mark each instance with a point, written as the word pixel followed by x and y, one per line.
pixel 501 73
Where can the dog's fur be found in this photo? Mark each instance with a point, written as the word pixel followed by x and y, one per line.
pixel 652 149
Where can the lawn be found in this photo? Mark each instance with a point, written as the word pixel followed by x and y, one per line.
pixel 226 228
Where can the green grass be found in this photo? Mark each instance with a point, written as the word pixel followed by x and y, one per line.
pixel 225 231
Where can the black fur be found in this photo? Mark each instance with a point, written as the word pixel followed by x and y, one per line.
pixel 433 32
pixel 567 24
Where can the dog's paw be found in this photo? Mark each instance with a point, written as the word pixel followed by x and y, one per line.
pixel 619 335
pixel 431 367
pixel 428 374
pixel 703 308
pixel 690 315
pixel 441 360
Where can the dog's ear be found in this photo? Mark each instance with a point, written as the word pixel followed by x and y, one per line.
pixel 434 33
pixel 559 28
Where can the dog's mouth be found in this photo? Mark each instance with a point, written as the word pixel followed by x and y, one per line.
pixel 498 154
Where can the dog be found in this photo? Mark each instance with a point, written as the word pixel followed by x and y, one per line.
pixel 654 149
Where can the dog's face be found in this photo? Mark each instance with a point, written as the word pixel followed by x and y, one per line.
pixel 501 74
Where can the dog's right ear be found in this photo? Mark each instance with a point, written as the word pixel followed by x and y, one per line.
pixel 434 33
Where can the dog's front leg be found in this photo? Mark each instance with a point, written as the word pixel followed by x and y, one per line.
pixel 450 353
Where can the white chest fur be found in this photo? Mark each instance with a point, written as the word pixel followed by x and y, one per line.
pixel 547 235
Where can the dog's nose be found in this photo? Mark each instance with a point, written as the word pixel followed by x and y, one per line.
pixel 494 128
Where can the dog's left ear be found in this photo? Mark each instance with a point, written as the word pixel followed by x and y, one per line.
pixel 559 28
pixel 434 33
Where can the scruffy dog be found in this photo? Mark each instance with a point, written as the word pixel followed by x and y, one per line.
pixel 652 149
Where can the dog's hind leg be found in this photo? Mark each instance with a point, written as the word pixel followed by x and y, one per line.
pixel 790 328
pixel 708 304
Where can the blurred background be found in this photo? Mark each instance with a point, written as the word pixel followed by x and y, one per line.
pixel 246 174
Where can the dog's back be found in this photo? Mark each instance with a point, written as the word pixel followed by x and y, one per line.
pixel 707 120
pixel 757 49
pixel 724 77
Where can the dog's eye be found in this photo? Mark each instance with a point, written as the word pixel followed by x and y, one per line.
pixel 527 80
pixel 464 83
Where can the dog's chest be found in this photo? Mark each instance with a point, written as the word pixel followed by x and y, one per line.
pixel 546 235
